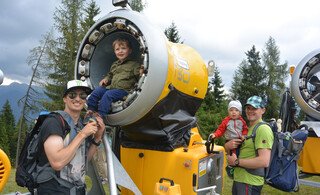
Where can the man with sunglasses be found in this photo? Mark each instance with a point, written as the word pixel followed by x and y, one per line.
pixel 254 156
pixel 67 152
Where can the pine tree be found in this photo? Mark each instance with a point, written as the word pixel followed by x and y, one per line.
pixel 208 100
pixel 32 100
pixel 8 139
pixel 213 108
pixel 209 120
pixel 21 131
pixel 4 140
pixel 137 5
pixel 218 91
pixel 172 33
pixel 91 10
pixel 63 50
pixel 236 83
pixel 215 94
pixel 277 74
pixel 249 78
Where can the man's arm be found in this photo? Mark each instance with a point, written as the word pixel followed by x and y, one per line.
pixel 232 144
pixel 261 161
pixel 97 137
pixel 108 78
pixel 58 155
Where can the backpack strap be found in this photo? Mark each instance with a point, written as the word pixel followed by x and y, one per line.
pixel 69 120
pixel 258 171
pixel 280 146
pixel 56 114
pixel 47 173
pixel 73 129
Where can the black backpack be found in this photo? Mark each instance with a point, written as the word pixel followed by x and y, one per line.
pixel 27 169
pixel 282 172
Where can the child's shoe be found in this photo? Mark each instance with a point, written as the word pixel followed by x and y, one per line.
pixel 230 170
pixel 89 117
pixel 104 118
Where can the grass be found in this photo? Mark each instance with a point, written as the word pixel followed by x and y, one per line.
pixel 11 186
pixel 266 190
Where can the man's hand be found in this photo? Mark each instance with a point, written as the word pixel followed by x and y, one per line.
pixel 90 129
pixel 231 159
pixel 97 136
pixel 101 127
pixel 232 144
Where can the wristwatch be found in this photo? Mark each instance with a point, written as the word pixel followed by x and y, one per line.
pixel 236 162
pixel 96 143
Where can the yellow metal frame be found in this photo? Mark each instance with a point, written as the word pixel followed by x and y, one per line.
pixel 5 169
pixel 187 71
pixel 147 167
pixel 309 161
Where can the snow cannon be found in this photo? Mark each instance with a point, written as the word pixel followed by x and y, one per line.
pixel 157 127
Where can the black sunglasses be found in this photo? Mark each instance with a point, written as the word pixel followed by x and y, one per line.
pixel 82 95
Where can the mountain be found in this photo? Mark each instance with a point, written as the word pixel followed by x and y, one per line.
pixel 13 93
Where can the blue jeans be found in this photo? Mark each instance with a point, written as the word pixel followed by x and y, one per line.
pixel 101 98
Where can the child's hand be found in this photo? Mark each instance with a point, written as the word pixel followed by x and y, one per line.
pixel 103 82
pixel 141 71
pixel 243 138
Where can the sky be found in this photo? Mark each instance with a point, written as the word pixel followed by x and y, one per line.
pixel 219 30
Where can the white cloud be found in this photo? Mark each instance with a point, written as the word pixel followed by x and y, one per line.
pixel 218 30
pixel 8 81
pixel 225 30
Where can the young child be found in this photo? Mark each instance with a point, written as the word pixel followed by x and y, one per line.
pixel 233 126
pixel 123 74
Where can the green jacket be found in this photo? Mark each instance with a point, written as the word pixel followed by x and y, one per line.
pixel 123 75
